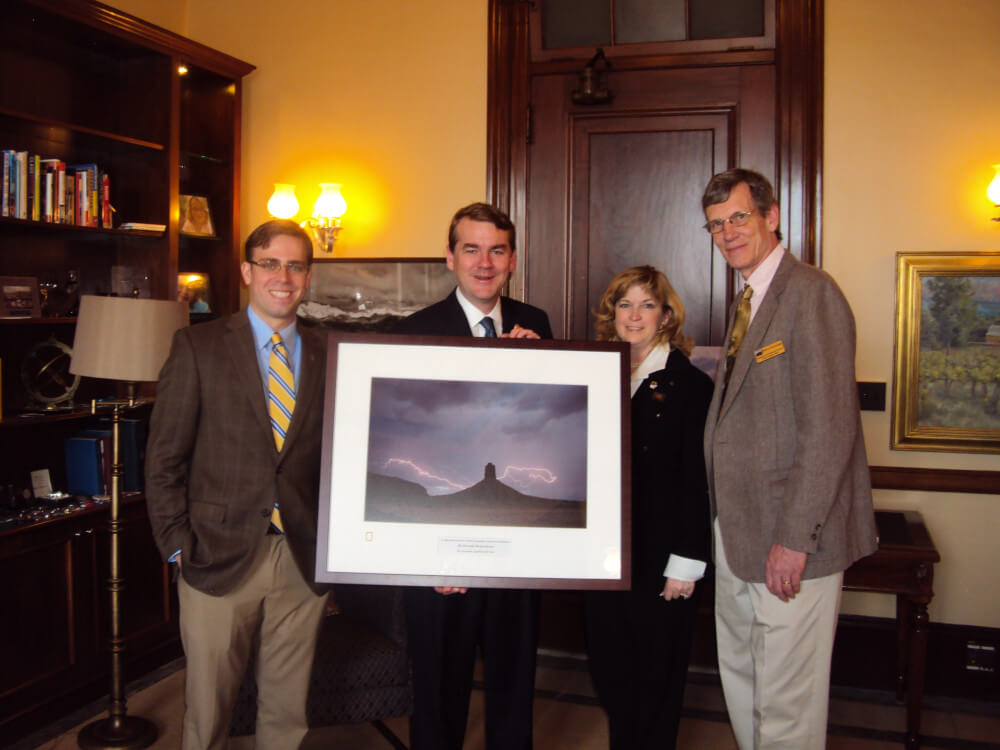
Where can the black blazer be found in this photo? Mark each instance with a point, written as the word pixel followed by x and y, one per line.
pixel 669 490
pixel 446 318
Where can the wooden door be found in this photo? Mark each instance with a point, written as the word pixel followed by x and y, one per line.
pixel 619 185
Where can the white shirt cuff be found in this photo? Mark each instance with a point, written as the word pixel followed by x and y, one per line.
pixel 684 568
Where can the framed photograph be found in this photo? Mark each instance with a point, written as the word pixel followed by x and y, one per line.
pixel 946 394
pixel 461 461
pixel 19 297
pixel 196 219
pixel 370 295
pixel 195 290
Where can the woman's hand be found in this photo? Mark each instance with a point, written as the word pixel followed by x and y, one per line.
pixel 674 589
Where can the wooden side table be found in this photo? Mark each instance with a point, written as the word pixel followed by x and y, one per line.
pixel 903 565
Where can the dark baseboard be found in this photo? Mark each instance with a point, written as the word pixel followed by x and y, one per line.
pixel 82 701
pixel 864 654
pixel 864 657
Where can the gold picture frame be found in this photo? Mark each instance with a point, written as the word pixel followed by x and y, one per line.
pixel 946 389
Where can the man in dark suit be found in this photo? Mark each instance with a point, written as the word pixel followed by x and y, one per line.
pixel 787 474
pixel 446 625
pixel 232 485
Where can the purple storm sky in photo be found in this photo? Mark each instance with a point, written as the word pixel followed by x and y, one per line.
pixel 441 434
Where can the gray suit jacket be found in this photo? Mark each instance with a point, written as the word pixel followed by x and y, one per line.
pixel 212 470
pixel 784 450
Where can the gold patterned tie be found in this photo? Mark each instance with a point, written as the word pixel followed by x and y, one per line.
pixel 740 326
pixel 280 402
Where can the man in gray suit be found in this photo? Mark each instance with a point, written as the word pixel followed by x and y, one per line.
pixel 232 486
pixel 788 476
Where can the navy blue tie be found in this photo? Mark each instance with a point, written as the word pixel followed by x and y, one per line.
pixel 487 324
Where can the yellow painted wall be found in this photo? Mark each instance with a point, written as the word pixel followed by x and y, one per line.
pixel 387 97
pixel 911 132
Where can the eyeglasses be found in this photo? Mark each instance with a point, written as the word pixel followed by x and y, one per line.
pixel 738 219
pixel 273 265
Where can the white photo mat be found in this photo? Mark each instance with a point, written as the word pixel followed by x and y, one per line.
pixel 351 549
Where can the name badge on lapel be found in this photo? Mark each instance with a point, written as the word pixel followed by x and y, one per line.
pixel 767 352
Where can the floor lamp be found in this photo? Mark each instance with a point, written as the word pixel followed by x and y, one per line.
pixel 120 338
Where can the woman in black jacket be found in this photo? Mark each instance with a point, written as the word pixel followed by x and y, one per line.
pixel 639 640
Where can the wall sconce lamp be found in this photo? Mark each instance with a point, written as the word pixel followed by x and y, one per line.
pixel 283 204
pixel 325 221
pixel 993 191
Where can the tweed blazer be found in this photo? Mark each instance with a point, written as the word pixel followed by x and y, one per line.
pixel 446 318
pixel 213 472
pixel 784 450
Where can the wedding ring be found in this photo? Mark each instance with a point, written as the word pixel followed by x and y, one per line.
pixel 785 581
pixel 685 596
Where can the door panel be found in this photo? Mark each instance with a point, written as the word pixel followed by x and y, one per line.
pixel 620 185
pixel 636 190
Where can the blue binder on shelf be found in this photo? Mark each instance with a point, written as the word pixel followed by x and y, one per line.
pixel 84 466
pixel 131 451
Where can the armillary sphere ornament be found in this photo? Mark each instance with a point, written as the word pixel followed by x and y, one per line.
pixel 46 376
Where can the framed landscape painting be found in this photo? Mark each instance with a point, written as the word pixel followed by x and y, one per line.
pixel 461 461
pixel 946 391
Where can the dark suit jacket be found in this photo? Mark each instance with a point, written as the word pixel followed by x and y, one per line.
pixel 446 318
pixel 784 450
pixel 212 470
pixel 669 493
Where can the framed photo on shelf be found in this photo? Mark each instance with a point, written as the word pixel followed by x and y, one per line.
pixel 946 390
pixel 196 219
pixel 195 290
pixel 370 295
pixel 461 461
pixel 19 297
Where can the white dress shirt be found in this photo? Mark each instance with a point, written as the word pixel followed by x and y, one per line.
pixel 475 315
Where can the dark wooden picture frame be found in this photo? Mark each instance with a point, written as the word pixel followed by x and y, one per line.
pixel 538 413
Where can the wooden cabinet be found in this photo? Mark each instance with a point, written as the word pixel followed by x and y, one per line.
pixel 54 613
pixel 83 83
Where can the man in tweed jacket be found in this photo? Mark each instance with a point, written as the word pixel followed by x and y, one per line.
pixel 788 476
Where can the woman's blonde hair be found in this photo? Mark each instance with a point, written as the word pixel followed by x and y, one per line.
pixel 656 283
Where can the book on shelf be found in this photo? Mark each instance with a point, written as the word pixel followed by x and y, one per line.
pixel 48 190
pixel 5 187
pixel 142 226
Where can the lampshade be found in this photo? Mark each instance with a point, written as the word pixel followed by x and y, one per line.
pixel 993 191
pixel 330 204
pixel 283 204
pixel 121 338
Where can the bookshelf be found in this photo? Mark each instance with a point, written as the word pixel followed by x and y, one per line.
pixel 84 83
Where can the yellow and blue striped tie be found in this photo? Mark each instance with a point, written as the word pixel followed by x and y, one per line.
pixel 280 402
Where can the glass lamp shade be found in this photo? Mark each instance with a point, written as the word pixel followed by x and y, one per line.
pixel 283 204
pixel 330 204
pixel 120 338
pixel 993 191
